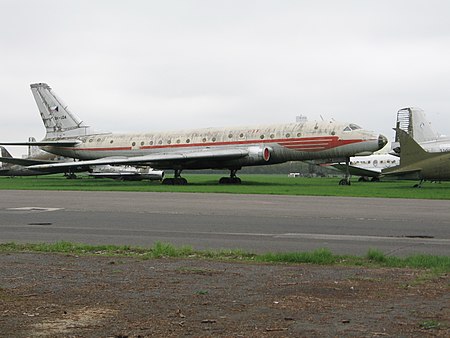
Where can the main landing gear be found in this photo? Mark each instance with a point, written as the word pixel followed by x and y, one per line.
pixel 346 179
pixel 70 176
pixel 233 179
pixel 177 180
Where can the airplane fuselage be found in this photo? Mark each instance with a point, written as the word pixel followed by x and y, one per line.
pixel 437 168
pixel 369 166
pixel 268 144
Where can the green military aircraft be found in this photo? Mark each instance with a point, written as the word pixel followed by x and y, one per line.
pixel 416 163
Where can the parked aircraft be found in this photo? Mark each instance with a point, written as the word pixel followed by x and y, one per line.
pixel 126 173
pixel 209 148
pixel 21 167
pixel 416 163
pixel 12 166
pixel 369 167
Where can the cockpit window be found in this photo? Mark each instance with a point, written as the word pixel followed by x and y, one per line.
pixel 351 127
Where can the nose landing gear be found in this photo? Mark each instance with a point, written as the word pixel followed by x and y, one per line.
pixel 346 179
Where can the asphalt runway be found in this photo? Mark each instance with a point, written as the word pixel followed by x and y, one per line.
pixel 257 223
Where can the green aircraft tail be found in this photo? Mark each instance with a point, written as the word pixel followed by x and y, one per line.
pixel 410 151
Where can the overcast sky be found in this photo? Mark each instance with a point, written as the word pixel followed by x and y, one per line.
pixel 136 66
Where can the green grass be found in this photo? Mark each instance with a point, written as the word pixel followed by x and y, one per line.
pixel 430 325
pixel 320 256
pixel 374 258
pixel 252 184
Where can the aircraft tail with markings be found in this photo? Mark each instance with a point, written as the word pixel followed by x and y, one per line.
pixel 58 120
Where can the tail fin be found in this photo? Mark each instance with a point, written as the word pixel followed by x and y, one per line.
pixel 411 152
pixel 413 121
pixel 33 150
pixel 5 153
pixel 58 120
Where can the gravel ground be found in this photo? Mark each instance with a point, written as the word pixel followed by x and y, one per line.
pixel 54 295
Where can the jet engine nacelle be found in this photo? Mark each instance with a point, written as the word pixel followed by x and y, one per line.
pixel 154 174
pixel 260 154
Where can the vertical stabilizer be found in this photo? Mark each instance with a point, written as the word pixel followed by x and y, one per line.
pixel 4 152
pixel 413 121
pixel 58 120
pixel 411 151
pixel 33 150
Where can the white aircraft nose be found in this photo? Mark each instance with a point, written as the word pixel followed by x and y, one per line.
pixel 382 141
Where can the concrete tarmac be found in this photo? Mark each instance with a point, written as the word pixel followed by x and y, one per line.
pixel 257 223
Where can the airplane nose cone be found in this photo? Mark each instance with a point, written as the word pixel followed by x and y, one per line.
pixel 382 141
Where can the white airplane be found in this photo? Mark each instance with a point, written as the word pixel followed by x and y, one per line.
pixel 369 167
pixel 208 148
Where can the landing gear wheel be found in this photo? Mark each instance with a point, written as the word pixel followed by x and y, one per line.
pixel 230 180
pixel 344 181
pixel 233 179
pixel 168 181
pixel 180 181
pixel 71 176
pixel 177 180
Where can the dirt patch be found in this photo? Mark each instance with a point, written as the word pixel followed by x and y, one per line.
pixel 67 296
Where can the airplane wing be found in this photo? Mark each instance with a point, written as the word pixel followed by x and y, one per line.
pixel 155 161
pixel 413 174
pixel 356 171
pixel 62 143
pixel 25 162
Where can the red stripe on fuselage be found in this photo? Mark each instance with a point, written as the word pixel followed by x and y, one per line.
pixel 300 144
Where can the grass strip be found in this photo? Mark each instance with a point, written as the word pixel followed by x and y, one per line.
pixel 373 258
pixel 251 184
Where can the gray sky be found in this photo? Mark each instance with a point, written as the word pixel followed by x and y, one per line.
pixel 136 66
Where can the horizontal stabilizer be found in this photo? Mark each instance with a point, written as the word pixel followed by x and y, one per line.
pixel 25 162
